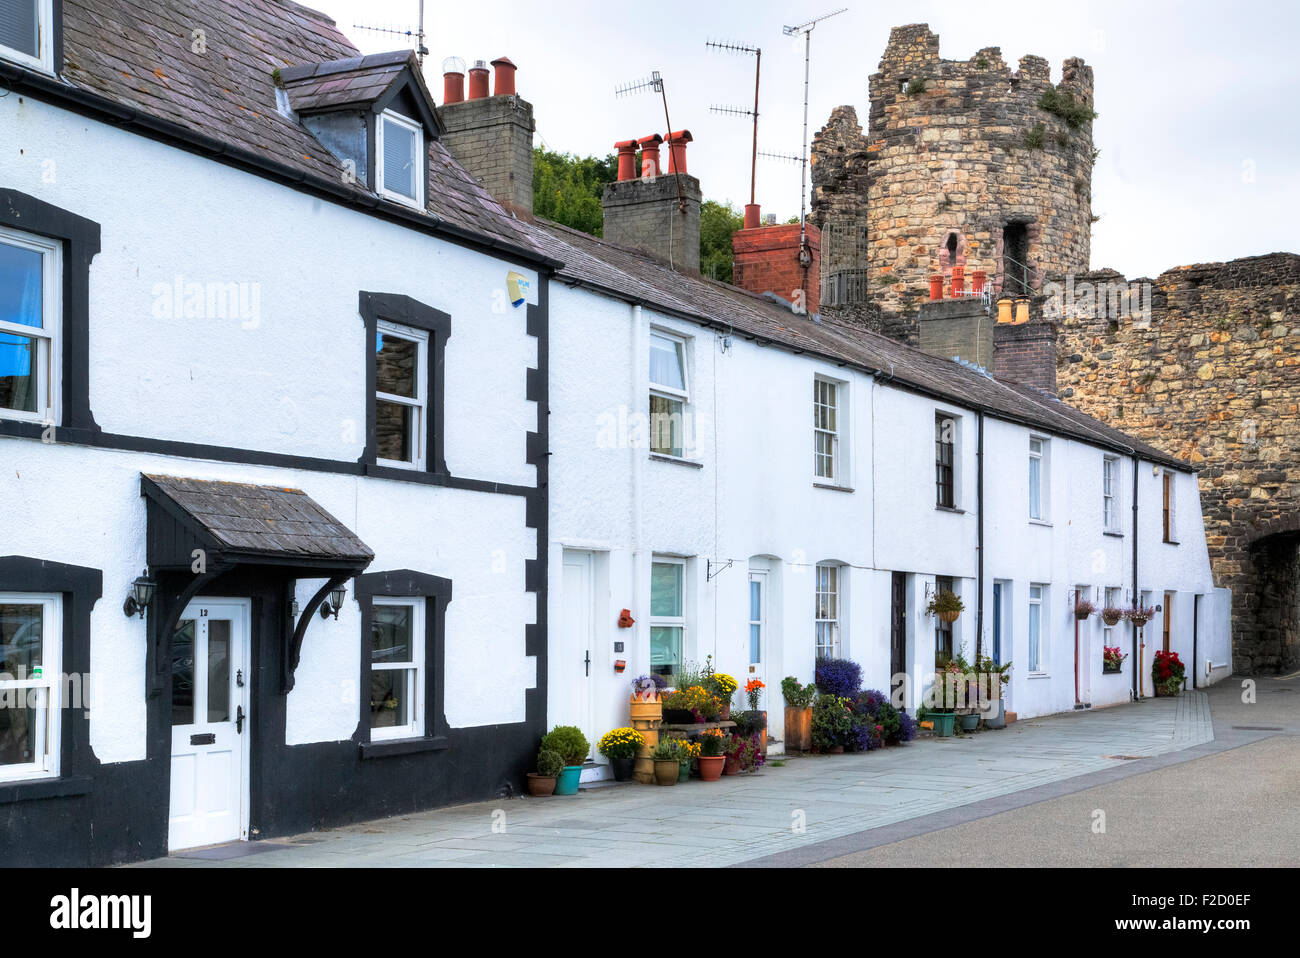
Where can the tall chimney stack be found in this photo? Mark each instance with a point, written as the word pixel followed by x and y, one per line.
pixel 491 136
pixel 657 212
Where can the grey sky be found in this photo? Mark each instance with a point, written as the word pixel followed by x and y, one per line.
pixel 1200 153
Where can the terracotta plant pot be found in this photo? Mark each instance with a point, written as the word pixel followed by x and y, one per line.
pixel 835 750
pixel 623 768
pixel 643 711
pixel 711 767
pixel 541 785
pixel 724 714
pixel 798 728
pixel 666 772
pixel 731 766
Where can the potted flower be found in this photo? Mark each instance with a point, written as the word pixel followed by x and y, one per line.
pixel 712 755
pixel 943 713
pixel 1167 672
pixel 1112 614
pixel 1083 608
pixel 946 605
pixel 798 713
pixel 1139 615
pixel 573 747
pixel 686 751
pixel 998 676
pixel 620 746
pixel 832 724
pixel 549 766
pixel 1112 659
pixel 667 762
pixel 723 687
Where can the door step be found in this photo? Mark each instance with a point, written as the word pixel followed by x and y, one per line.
pixel 1081 706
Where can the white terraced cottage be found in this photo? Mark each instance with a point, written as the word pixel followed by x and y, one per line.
pixel 297 382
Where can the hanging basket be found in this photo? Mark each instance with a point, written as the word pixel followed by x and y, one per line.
pixel 949 617
pixel 1111 618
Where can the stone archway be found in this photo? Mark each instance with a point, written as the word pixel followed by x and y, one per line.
pixel 1273 604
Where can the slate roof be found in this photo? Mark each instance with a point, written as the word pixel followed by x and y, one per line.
pixel 140 53
pixel 335 84
pixel 632 275
pixel 246 519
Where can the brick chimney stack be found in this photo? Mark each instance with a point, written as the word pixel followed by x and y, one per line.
pixel 490 135
pixel 766 260
pixel 647 212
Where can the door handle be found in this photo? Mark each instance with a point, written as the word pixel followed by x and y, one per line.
pixel 587 662
pixel 239 720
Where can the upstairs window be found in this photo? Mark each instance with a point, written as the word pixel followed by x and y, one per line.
pixel 401 395
pixel 826 431
pixel 1170 529
pixel 29 327
pixel 945 448
pixel 1110 494
pixel 1038 479
pixel 400 160
pixel 668 394
pixel 27 33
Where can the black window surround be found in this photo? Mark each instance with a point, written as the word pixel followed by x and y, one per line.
pixel 79 240
pixel 436 592
pixel 404 311
pixel 80 588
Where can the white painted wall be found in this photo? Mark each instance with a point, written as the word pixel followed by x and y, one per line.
pixel 290 379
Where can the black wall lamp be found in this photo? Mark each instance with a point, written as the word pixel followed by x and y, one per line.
pixel 142 590
pixel 334 604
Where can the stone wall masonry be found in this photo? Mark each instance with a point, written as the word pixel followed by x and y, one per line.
pixel 492 138
pixel 1213 376
pixel 645 214
pixel 945 152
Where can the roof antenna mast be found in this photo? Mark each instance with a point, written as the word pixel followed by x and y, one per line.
pixel 805 30
pixel 418 33
pixel 655 82
pixel 757 54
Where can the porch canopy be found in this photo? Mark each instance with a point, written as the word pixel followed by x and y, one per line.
pixel 199 529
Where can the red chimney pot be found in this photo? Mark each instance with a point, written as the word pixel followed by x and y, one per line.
pixel 650 154
pixel 936 286
pixel 753 216
pixel 453 80
pixel 503 77
pixel 677 150
pixel 478 80
pixel 626 159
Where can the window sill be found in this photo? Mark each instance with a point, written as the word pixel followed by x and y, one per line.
pixel 1039 675
pixel 832 487
pixel 1172 542
pixel 21 790
pixel 953 509
pixel 403 746
pixel 1113 535
pixel 1040 522
pixel 400 474
pixel 661 457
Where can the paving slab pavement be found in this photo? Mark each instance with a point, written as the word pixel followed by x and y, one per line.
pixel 791 810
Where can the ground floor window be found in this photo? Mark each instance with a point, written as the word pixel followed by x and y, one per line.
pixel 30 641
pixel 397 640
pixel 827 620
pixel 667 615
pixel 943 642
pixel 1037 637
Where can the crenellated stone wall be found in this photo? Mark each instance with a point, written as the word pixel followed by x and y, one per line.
pixel 956 149
pixel 1210 373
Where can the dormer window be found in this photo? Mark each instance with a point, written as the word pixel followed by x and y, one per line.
pixel 400 158
pixel 27 33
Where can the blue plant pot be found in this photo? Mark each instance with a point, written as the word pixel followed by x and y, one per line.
pixel 943 723
pixel 567 783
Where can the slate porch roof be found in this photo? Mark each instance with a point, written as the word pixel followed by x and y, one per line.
pixel 632 275
pixel 141 54
pixel 264 521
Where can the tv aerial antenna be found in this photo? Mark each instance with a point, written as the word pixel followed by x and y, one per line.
pixel 655 84
pixel 743 49
pixel 417 34
pixel 805 30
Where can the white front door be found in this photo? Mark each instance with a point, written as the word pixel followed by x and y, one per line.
pixel 577 666
pixel 210 730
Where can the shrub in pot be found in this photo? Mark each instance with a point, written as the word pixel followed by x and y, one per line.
pixel 1168 672
pixel 832 723
pixel 549 766
pixel 712 755
pixel 667 762
pixel 569 741
pixel 798 713
pixel 839 677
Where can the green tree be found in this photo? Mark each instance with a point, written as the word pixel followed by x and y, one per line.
pixel 567 188
pixel 718 221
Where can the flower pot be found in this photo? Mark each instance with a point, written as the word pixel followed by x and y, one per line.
pixel 541 785
pixel 835 750
pixel 684 771
pixel 1112 669
pixel 623 768
pixel 970 721
pixel 643 711
pixel 943 723
pixel 1139 620
pixel 651 737
pixel 1080 615
pixel 678 717
pixel 567 783
pixel 644 770
pixel 724 713
pixel 1111 620
pixel 949 617
pixel 666 771
pixel 711 767
pixel 798 728
pixel 731 766
pixel 996 716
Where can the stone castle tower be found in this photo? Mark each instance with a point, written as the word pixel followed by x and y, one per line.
pixel 964 163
